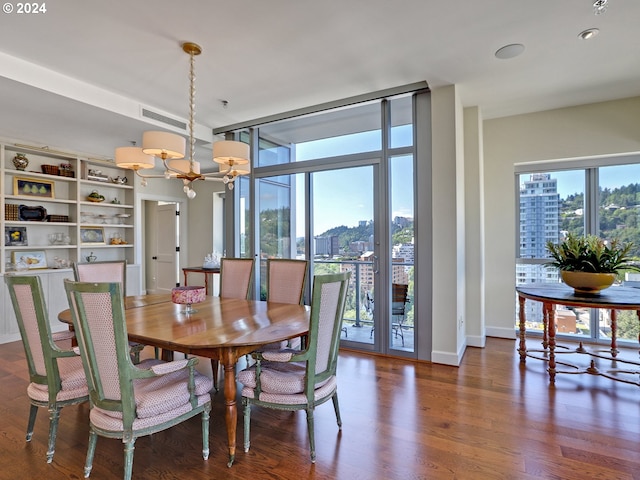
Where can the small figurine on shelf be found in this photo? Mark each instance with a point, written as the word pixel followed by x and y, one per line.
pixel 91 258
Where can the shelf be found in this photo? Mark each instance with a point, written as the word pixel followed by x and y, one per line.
pixel 104 204
pixel 96 246
pixel 19 223
pixel 56 178
pixel 40 247
pixel 95 183
pixel 69 202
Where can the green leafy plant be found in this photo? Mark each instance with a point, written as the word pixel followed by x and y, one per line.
pixel 591 254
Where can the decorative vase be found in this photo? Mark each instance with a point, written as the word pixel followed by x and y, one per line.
pixel 586 283
pixel 20 161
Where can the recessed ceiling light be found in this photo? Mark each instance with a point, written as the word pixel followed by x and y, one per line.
pixel 509 51
pixel 588 33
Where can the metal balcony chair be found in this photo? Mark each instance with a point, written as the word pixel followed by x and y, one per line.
pixel 399 300
pixel 56 374
pixel 289 380
pixel 129 401
pixel 398 306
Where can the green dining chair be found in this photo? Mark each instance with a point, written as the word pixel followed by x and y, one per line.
pixel 129 401
pixel 109 271
pixel 236 276
pixel 286 279
pixel 56 374
pixel 301 380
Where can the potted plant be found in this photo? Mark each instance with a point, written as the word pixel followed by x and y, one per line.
pixel 588 263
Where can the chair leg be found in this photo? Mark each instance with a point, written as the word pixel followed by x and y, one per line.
pixel 312 439
pixel 32 421
pixel 336 407
pixel 91 450
pixel 247 424
pixel 129 447
pixel 205 433
pixel 54 416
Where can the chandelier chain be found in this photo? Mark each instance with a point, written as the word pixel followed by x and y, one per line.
pixel 192 108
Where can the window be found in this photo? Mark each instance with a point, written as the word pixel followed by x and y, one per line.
pixel 603 200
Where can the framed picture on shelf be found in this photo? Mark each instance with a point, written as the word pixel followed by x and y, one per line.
pixel 91 235
pixel 34 259
pixel 15 236
pixel 32 187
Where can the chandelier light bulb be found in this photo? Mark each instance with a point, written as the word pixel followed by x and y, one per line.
pixel 191 194
pixel 230 186
pixel 143 182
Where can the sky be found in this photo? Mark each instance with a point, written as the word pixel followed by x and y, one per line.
pixel 572 181
pixel 346 195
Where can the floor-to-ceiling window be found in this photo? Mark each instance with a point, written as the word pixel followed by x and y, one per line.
pixel 337 188
pixel 601 197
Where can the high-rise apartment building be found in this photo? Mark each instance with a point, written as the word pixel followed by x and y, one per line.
pixel 539 223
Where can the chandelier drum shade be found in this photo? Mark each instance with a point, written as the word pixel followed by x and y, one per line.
pixel 231 156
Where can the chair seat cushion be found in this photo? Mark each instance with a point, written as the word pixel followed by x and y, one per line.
pixel 107 420
pixel 326 390
pixel 275 377
pixel 74 383
pixel 161 396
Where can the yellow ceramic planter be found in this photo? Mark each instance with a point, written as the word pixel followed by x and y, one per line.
pixel 587 283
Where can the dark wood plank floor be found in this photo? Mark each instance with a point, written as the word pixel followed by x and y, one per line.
pixel 491 418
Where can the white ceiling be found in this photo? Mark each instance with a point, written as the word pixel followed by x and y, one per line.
pixel 76 76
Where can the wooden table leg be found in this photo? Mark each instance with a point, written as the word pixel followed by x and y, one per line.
pixel 231 414
pixel 545 327
pixel 522 349
pixel 614 333
pixel 551 327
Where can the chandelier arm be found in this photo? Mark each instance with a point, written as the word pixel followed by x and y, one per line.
pixel 171 169
pixel 137 172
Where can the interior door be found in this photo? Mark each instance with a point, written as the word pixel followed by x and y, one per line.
pixel 167 241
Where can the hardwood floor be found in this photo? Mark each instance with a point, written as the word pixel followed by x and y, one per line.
pixel 491 418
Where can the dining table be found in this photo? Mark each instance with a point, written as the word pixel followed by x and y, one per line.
pixel 222 329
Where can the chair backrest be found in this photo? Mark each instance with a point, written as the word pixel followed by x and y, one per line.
pixel 398 298
pixel 33 321
pixel 286 279
pixel 236 275
pixel 98 316
pixel 110 271
pixel 325 323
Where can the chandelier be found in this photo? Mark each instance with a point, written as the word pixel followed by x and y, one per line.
pixel 231 156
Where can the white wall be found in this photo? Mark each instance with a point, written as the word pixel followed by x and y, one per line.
pixel 448 216
pixel 577 132
pixel 474 323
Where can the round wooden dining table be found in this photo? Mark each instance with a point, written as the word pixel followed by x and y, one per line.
pixel 223 329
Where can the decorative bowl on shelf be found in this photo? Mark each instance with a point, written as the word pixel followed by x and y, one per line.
pixel 95 197
pixel 122 217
